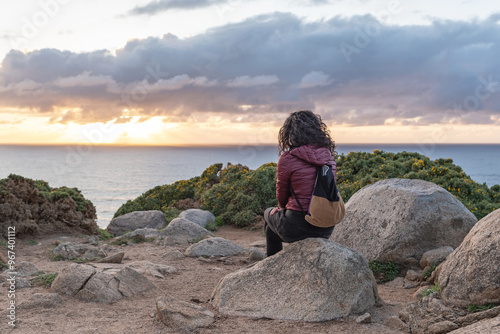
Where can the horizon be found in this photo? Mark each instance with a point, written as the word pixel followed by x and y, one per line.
pixel 219 72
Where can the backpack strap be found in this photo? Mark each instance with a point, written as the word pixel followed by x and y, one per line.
pixel 294 196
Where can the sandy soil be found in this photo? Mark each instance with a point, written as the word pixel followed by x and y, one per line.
pixel 194 282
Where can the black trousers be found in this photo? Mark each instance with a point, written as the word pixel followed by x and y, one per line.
pixel 289 226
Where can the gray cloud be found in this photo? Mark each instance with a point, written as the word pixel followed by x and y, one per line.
pixel 355 71
pixel 157 6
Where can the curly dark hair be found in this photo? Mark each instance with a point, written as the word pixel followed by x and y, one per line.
pixel 303 128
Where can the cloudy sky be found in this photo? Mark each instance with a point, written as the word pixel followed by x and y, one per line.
pixel 183 72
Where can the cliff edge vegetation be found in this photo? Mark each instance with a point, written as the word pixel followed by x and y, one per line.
pixel 238 195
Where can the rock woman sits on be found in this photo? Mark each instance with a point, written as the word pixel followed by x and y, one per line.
pixel 304 145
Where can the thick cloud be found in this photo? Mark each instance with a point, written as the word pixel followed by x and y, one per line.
pixel 158 6
pixel 356 71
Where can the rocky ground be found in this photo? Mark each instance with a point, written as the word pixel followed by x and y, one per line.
pixel 194 282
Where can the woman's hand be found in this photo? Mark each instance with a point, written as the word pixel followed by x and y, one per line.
pixel 274 210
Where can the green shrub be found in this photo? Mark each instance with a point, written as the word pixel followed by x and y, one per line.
pixel 384 272
pixel 432 289
pixel 52 194
pixel 479 308
pixel 237 194
pixel 358 169
pixel 41 278
pixel 428 271
pixel 104 234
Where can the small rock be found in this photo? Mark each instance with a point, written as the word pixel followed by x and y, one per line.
pixel 398 283
pixel 41 300
pixel 180 231
pixel 141 233
pixel 254 254
pixel 22 283
pixel 435 256
pixel 173 254
pixel 395 323
pixel 26 269
pixel 70 251
pixel 259 244
pixel 200 217
pixel 442 327
pixel 136 220
pixel 214 247
pixel 115 258
pixel 364 319
pixel 180 315
pixel 413 275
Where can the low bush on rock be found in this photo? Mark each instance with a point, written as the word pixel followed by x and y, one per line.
pixel 237 195
pixel 384 272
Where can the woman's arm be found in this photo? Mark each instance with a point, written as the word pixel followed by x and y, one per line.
pixel 283 174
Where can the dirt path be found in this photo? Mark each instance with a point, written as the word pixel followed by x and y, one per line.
pixel 194 282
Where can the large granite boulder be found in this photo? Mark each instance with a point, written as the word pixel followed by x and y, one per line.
pixel 400 219
pixel 198 216
pixel 471 274
pixel 181 231
pixel 312 280
pixel 135 220
pixel 214 247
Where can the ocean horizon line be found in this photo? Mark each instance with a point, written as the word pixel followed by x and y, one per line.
pixel 228 145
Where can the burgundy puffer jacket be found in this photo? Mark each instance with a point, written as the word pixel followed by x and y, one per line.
pixel 299 167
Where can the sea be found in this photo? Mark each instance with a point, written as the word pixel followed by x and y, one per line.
pixel 111 175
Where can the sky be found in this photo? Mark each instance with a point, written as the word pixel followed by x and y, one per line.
pixel 206 72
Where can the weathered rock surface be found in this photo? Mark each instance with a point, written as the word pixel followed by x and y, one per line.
pixel 490 326
pixel 72 279
pixel 136 220
pixel 311 280
pixel 200 217
pixel 435 256
pixel 152 269
pixel 26 269
pixel 24 207
pixel 141 233
pixel 400 219
pixel 428 311
pixel 41 300
pixel 69 251
pixel 471 274
pixel 115 258
pixel 101 284
pixel 254 254
pixel 181 231
pixel 214 247
pixel 179 315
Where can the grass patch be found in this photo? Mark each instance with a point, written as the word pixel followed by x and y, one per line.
pixel 3 244
pixel 32 242
pixel 479 308
pixel 212 227
pixel 119 242
pixel 56 257
pixel 44 279
pixel 433 289
pixel 428 271
pixel 384 272
pixel 104 235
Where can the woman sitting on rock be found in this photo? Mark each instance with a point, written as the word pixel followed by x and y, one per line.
pixel 304 145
